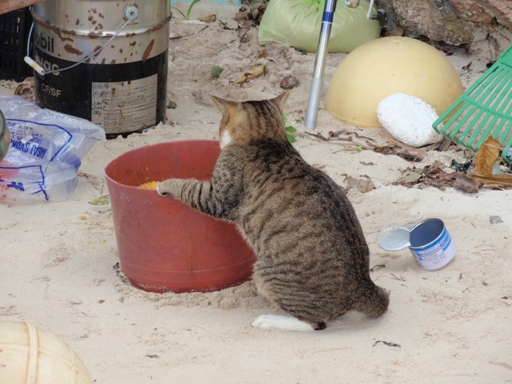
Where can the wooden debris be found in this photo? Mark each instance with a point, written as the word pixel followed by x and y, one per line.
pixel 251 74
pixel 388 343
pixel 432 175
pixel 486 157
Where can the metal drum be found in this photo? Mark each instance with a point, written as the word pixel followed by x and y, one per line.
pixel 105 61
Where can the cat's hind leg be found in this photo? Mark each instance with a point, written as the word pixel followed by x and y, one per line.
pixel 288 323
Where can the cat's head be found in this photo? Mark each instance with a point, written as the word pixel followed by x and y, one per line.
pixel 249 120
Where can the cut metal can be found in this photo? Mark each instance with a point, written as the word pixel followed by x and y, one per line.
pixel 429 241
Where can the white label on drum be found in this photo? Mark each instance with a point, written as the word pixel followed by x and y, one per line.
pixel 118 105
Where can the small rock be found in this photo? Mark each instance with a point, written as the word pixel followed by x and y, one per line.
pixel 273 79
pixel 495 220
pixel 289 82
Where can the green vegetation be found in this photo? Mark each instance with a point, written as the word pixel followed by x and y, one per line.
pixel 187 15
pixel 290 130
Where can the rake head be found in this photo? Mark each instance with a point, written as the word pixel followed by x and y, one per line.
pixel 484 110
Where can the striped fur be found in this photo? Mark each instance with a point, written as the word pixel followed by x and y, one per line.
pixel 313 260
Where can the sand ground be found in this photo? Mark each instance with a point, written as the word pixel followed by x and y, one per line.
pixel 452 325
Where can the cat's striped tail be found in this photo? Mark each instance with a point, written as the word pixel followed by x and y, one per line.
pixel 372 300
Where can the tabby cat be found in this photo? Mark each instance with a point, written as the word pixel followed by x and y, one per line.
pixel 312 257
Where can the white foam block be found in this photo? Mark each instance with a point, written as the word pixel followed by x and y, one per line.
pixel 408 119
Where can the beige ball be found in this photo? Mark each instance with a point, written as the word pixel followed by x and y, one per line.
pixel 29 354
pixel 386 66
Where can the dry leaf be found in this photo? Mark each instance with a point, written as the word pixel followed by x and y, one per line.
pixel 486 157
pixel 208 19
pixel 258 9
pixel 26 89
pixel 415 155
pixel 345 132
pixel 430 175
pixel 394 32
pixel 243 16
pixel 363 185
pixel 263 54
pixel 466 183
pixel 102 200
pixel 409 177
pixel 252 74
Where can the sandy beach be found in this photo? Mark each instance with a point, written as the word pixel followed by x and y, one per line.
pixel 451 325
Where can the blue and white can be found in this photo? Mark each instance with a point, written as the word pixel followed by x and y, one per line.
pixel 431 244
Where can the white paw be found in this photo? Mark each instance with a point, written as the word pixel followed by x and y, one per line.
pixel 164 188
pixel 287 323
pixel 160 190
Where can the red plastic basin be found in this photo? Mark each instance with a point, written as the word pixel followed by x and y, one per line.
pixel 163 244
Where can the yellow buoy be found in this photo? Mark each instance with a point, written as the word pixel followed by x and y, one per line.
pixel 386 66
pixel 29 354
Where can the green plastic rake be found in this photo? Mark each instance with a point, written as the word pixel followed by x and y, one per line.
pixel 484 110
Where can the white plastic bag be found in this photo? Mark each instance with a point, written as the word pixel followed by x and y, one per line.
pixel 46 151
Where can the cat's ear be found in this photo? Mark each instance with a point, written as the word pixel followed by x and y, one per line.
pixel 281 100
pixel 221 104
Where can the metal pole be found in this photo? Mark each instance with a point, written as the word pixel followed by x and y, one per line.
pixel 318 73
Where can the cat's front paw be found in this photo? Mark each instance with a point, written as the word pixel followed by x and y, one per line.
pixel 166 188
pixel 287 323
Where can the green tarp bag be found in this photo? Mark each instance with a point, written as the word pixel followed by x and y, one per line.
pixel 297 23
